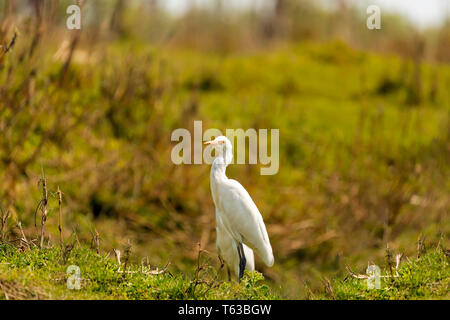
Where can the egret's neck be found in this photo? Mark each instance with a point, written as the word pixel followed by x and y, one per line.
pixel 220 164
pixel 218 175
pixel 218 169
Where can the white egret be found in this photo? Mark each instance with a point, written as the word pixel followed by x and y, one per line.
pixel 236 214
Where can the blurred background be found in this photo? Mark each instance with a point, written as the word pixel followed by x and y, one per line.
pixel 364 119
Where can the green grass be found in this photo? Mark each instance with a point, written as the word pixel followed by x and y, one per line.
pixel 427 277
pixel 42 274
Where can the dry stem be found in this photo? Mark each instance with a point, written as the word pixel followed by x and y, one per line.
pixel 44 210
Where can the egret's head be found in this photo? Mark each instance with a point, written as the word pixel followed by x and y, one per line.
pixel 223 147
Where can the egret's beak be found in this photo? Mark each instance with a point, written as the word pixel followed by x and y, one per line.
pixel 209 142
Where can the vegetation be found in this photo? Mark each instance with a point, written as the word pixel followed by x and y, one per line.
pixel 364 127
pixel 427 277
pixel 42 274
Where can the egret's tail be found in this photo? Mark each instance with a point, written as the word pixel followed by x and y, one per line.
pixel 266 255
pixel 264 249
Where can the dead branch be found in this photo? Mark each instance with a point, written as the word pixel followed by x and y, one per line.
pixel 329 288
pixel 95 242
pixel 61 240
pixel 146 271
pixel 364 276
pixel 420 246
pixel 389 260
pixel 11 44
pixel 44 210
pixel 24 238
pixel 127 256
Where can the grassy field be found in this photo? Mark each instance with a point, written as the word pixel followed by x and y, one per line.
pixel 41 274
pixel 44 274
pixel 426 277
pixel 364 161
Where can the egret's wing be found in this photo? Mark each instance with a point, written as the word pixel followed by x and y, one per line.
pixel 242 219
pixel 226 247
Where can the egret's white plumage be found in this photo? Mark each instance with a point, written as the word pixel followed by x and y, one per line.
pixel 236 214
pixel 227 250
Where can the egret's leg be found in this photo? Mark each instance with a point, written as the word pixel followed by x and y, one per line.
pixel 222 262
pixel 242 260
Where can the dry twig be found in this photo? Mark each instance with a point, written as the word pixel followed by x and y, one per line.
pixel 420 246
pixel 389 260
pixel 329 288
pixel 95 243
pixel 364 276
pixel 24 238
pixel 61 240
pixel 43 205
